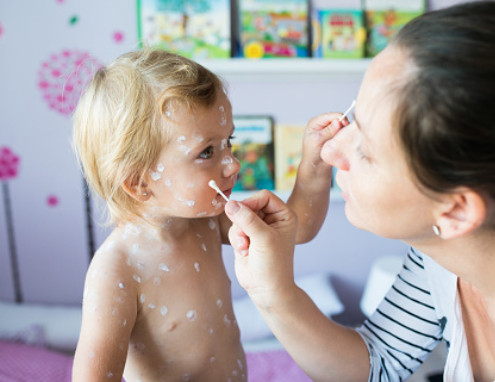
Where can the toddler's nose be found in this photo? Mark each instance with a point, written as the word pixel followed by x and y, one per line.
pixel 231 165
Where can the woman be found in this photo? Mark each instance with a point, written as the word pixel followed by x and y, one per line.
pixel 417 164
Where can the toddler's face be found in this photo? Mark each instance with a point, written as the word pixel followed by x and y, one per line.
pixel 199 150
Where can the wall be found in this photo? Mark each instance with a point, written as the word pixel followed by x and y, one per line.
pixel 45 210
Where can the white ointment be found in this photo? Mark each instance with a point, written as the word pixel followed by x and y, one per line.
pixel 348 111
pixel 213 185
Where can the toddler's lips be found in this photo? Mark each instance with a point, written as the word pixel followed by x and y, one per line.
pixel 228 192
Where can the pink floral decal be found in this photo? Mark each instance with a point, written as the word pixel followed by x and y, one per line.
pixel 9 164
pixel 118 37
pixel 1 30
pixel 52 200
pixel 63 77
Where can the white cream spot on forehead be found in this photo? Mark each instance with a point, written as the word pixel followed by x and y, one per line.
pixel 184 149
pixel 198 137
pixel 192 315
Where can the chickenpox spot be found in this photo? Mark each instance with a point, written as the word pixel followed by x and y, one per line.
pixel 192 315
pixel 219 303
pixel 121 285
pixel 190 203
pixel 184 149
pixel 160 167
pixel 137 278
pixel 155 175
pixel 157 281
pixel 110 375
pixel 168 182
pixel 151 306
pixel 204 247
pixel 163 310
pixel 227 320
pixel 227 159
pixel 124 323
pixel 142 298
pixel 196 266
pixel 181 139
pixel 167 113
pixel 223 144
pixel 201 214
pixel 212 224
pixel 163 267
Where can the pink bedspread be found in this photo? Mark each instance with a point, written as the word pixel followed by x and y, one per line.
pixel 23 363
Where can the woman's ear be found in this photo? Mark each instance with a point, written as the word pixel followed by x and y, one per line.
pixel 136 188
pixel 462 212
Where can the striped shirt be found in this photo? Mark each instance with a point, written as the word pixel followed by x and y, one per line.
pixel 420 310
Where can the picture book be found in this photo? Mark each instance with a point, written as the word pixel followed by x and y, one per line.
pixel 384 18
pixel 288 154
pixel 338 33
pixel 273 28
pixel 197 29
pixel 253 147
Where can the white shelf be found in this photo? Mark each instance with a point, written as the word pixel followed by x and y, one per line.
pixel 288 66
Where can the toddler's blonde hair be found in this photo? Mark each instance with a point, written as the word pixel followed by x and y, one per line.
pixel 119 124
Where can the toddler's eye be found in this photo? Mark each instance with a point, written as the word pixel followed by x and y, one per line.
pixel 229 142
pixel 206 153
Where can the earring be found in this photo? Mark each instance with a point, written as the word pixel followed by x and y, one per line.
pixel 436 230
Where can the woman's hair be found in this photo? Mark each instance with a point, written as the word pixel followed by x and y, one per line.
pixel 446 107
pixel 119 125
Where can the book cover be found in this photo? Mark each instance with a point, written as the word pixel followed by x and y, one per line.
pixel 252 145
pixel 197 29
pixel 274 28
pixel 288 154
pixel 384 18
pixel 338 33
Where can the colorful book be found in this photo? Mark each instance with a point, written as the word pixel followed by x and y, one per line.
pixel 252 145
pixel 338 33
pixel 197 29
pixel 288 154
pixel 274 28
pixel 384 18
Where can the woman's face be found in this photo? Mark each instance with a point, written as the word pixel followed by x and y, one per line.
pixel 376 183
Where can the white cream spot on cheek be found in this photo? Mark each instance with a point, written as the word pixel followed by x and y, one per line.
pixel 219 303
pixel 190 203
pixel 227 159
pixel 163 310
pixel 155 175
pixel 196 266
pixel 192 315
pixel 163 267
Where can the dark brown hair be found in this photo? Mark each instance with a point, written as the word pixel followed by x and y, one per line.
pixel 446 109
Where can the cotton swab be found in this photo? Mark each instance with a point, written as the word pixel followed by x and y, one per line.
pixel 213 185
pixel 347 111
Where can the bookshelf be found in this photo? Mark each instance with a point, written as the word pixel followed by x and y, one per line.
pixel 279 67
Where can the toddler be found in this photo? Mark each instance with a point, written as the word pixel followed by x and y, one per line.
pixel 151 130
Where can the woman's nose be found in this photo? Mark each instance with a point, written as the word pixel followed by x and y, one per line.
pixel 335 151
pixel 231 165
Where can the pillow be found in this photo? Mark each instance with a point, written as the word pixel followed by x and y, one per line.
pixel 54 326
pixel 317 286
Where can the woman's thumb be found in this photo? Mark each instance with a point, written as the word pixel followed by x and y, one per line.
pixel 244 218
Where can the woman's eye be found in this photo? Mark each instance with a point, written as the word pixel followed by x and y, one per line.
pixel 206 153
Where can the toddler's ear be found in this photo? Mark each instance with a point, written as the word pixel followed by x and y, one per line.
pixel 136 188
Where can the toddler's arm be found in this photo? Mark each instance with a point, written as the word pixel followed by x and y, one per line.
pixel 311 194
pixel 109 313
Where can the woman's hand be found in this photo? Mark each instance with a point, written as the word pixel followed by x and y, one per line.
pixel 263 238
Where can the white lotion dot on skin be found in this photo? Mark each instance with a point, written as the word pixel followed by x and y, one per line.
pixel 160 167
pixel 219 303
pixel 163 310
pixel 212 224
pixel 227 160
pixel 163 267
pixel 190 203
pixel 155 175
pixel 196 266
pixel 192 315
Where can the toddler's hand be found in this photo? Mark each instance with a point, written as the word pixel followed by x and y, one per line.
pixel 318 131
